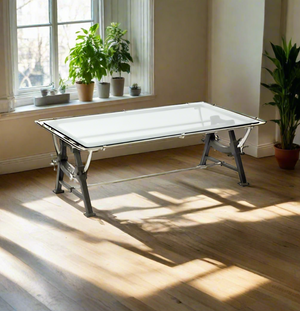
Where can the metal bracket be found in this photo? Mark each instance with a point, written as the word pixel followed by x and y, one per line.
pixel 182 136
pixel 243 140
pixel 54 161
pixel 57 149
pixel 88 162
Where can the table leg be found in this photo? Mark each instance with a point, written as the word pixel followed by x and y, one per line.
pixel 81 176
pixel 207 140
pixel 61 158
pixel 232 149
pixel 237 156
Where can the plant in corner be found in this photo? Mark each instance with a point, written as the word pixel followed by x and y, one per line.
pixel 86 62
pixel 118 56
pixel 286 91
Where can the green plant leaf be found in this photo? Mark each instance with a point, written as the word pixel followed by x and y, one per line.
pixel 271 103
pixel 117 49
pixel 286 89
pixel 87 59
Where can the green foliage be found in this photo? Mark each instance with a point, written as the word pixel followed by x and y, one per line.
pixel 87 58
pixel 117 49
pixel 134 86
pixel 286 89
pixel 62 83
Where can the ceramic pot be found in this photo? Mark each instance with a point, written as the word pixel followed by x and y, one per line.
pixel 85 91
pixel 103 89
pixel 44 92
pixel 117 86
pixel 286 159
pixel 134 92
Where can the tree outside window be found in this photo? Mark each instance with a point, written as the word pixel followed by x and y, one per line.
pixel 46 30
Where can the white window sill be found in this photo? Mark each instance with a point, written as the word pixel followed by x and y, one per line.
pixel 73 105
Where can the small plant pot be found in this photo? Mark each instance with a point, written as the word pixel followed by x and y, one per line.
pixel 286 159
pixel 103 89
pixel 44 92
pixel 135 92
pixel 117 86
pixel 85 91
pixel 62 90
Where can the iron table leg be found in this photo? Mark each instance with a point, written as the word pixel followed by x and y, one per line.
pixel 232 149
pixel 81 176
pixel 78 172
pixel 61 158
pixel 237 156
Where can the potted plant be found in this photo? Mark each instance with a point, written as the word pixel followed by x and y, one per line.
pixel 86 62
pixel 118 56
pixel 103 86
pixel 134 90
pixel 286 90
pixel 103 89
pixel 62 85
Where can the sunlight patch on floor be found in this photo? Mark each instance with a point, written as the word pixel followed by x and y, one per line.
pixel 166 198
pixel 129 200
pixel 223 192
pixel 262 214
pixel 23 276
pixel 228 283
pixel 21 222
pixel 246 204
pixel 163 277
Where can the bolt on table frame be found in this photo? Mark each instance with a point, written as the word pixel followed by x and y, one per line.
pixel 202 118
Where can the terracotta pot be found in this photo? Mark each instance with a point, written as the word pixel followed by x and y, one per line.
pixel 117 86
pixel 103 89
pixel 85 91
pixel 286 159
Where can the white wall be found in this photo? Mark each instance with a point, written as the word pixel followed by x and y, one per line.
pixel 273 32
pixel 292 32
pixel 236 44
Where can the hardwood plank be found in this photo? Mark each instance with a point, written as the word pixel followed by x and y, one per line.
pixel 185 242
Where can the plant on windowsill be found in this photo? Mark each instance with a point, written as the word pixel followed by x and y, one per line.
pixel 62 85
pixel 102 86
pixel 286 90
pixel 86 62
pixel 118 56
pixel 134 90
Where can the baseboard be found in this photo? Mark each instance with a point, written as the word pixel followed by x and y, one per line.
pixel 43 160
pixel 260 151
pixel 25 163
pixel 265 150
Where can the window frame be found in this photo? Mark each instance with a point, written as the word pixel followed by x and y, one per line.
pixel 137 18
pixel 53 29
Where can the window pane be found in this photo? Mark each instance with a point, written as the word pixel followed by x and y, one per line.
pixel 25 10
pixel 34 56
pixel 66 40
pixel 74 10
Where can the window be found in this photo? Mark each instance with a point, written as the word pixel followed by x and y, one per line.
pixel 43 31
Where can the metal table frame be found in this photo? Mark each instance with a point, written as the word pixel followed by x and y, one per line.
pixel 79 171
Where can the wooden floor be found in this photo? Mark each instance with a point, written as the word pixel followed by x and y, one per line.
pixel 192 241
